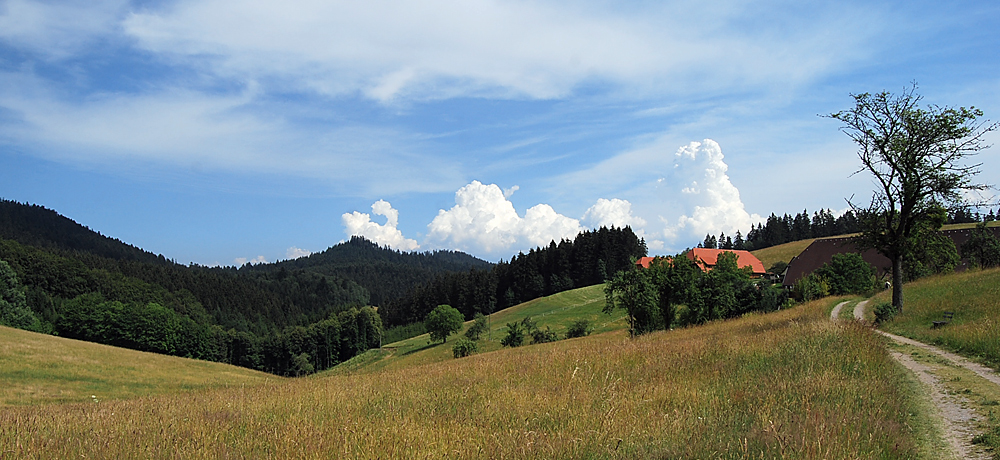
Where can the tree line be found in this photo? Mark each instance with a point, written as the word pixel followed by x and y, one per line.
pixel 780 230
pixel 589 259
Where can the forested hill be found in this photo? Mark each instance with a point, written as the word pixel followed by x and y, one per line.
pixel 57 276
pixel 35 225
pixel 386 274
pixel 289 317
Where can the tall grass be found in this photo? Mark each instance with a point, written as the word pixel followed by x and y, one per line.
pixel 786 385
pixel 972 296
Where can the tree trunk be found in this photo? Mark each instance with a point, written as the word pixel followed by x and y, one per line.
pixel 897 282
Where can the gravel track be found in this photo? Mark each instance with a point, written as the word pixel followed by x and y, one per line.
pixel 959 420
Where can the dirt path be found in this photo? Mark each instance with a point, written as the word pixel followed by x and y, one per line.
pixel 959 420
pixel 835 314
pixel 979 369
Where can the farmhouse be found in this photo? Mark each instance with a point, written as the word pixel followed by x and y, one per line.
pixel 708 258
pixel 822 250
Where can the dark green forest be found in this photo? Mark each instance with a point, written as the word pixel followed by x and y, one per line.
pixel 291 317
pixel 589 259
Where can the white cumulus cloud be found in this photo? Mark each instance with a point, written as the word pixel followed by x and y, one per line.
pixel 483 220
pixel 712 203
pixel 294 253
pixel 612 213
pixel 361 224
pixel 240 261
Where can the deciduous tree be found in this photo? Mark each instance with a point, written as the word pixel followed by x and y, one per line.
pixel 443 321
pixel 917 159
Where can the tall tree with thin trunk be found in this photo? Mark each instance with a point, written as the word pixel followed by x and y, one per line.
pixel 917 159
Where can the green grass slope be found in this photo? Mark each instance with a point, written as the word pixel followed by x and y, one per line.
pixel 38 369
pixel 972 296
pixel 557 312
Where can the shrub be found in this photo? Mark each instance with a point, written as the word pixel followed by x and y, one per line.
pixel 579 328
pixel 848 273
pixel 301 365
pixel 810 288
pixel 884 311
pixel 772 298
pixel 515 335
pixel 543 336
pixel 464 347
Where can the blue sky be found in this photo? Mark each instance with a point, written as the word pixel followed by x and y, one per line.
pixel 220 132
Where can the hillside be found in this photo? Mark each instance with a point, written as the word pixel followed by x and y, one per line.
pixel 772 385
pixel 35 225
pixel 386 274
pixel 42 369
pixel 287 318
pixel 556 311
pixel 782 252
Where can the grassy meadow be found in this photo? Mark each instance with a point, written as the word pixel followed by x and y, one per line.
pixel 557 312
pixel 972 296
pixel 790 384
pixel 39 368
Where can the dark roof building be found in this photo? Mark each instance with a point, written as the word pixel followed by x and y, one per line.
pixel 822 250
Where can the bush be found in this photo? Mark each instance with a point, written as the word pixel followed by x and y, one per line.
pixel 810 288
pixel 884 311
pixel 848 273
pixel 543 336
pixel 515 335
pixel 579 328
pixel 301 365
pixel 772 298
pixel 464 347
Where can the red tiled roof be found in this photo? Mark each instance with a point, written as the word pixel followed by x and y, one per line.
pixel 708 258
pixel 644 262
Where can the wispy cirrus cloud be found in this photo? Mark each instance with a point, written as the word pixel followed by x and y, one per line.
pixel 449 48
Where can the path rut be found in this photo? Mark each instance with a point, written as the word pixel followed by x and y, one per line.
pixel 958 420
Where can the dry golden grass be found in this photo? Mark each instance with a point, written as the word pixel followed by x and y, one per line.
pixel 782 252
pixel 38 368
pixel 786 385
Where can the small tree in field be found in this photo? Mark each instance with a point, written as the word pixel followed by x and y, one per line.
pixel 477 328
pixel 633 291
pixel 443 321
pixel 916 157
